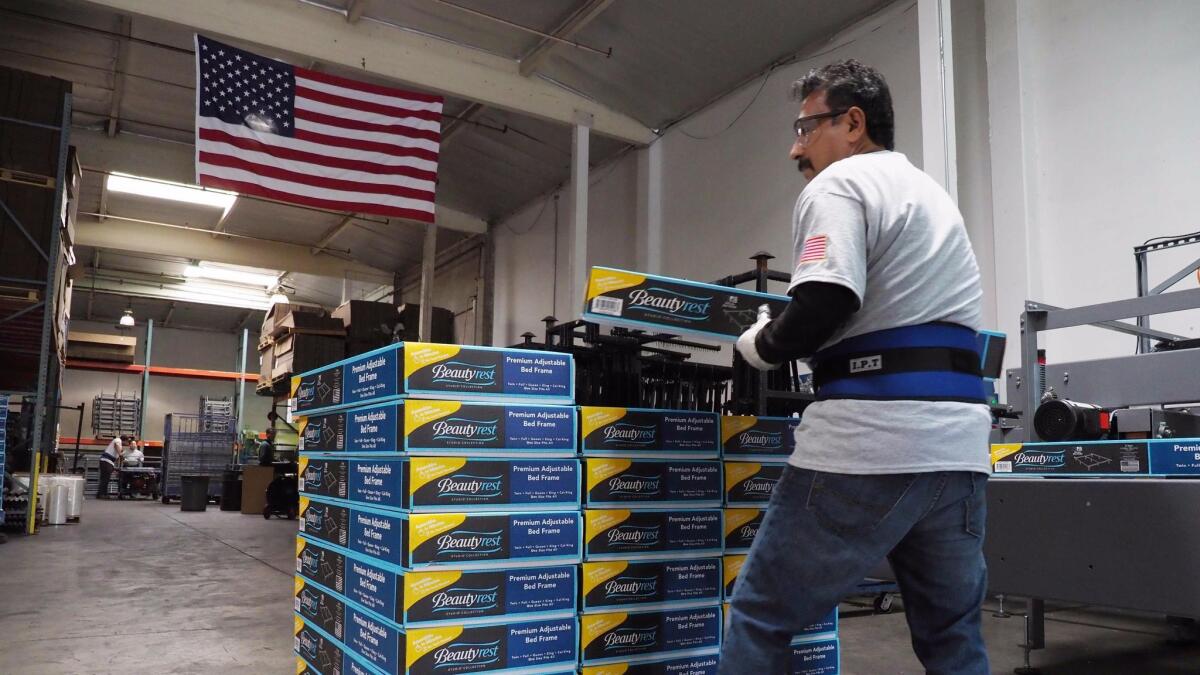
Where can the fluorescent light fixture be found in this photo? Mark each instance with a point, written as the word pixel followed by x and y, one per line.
pixel 277 298
pixel 178 192
pixel 205 270
pixel 126 320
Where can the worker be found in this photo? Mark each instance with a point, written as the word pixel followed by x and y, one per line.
pixel 891 460
pixel 134 455
pixel 266 449
pixel 110 459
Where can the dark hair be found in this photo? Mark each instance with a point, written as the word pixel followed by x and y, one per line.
pixel 851 83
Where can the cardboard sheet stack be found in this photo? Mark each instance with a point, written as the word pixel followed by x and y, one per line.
pixel 440 524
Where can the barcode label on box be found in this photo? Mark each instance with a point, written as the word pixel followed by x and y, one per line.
pixel 1003 467
pixel 1131 466
pixel 609 306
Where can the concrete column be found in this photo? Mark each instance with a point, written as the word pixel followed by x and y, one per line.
pixel 649 208
pixel 934 44
pixel 428 264
pixel 572 301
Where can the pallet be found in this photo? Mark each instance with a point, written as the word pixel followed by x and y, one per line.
pixel 274 386
pixel 27 178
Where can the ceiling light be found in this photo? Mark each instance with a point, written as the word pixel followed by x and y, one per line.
pixel 179 192
pixel 126 320
pixel 204 270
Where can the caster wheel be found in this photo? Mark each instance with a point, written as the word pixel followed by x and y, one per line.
pixel 883 603
pixel 266 514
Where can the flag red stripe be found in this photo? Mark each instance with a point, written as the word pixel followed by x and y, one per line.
pixel 369 106
pixel 363 86
pixel 358 144
pixel 217 159
pixel 313 158
pixel 398 129
pixel 331 204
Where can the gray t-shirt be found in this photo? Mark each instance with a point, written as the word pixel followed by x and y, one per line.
pixel 881 227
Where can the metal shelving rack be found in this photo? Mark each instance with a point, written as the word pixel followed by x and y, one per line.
pixel 43 401
pixel 116 415
pixel 189 449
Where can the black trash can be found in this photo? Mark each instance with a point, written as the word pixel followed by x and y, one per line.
pixel 193 492
pixel 231 490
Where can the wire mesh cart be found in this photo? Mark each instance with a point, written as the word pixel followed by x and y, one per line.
pixel 189 449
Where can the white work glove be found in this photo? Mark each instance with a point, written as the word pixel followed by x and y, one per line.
pixel 745 343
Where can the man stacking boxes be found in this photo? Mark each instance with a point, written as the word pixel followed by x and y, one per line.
pixel 651 577
pixel 440 525
pixel 754 451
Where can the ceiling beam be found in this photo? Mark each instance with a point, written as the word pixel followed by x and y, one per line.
pixel 332 233
pixel 120 64
pixel 220 226
pixel 417 60
pixel 449 129
pixel 120 235
pixel 571 25
pixel 169 160
pixel 170 313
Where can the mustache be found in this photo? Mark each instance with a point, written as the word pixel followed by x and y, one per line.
pixel 802 164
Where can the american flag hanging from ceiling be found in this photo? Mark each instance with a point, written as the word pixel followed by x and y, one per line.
pixel 273 130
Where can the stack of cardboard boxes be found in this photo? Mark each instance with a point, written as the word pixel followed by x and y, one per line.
pixel 440 522
pixel 651 578
pixel 755 451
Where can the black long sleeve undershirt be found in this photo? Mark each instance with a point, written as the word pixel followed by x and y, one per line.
pixel 816 311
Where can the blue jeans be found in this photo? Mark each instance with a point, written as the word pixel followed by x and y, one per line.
pixel 825 531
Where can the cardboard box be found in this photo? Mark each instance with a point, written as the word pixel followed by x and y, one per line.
pixel 427 427
pixel 318 652
pixel 650 585
pixel 758 439
pixel 320 608
pixel 731 567
pixel 664 304
pixel 426 484
pixel 646 433
pixel 1129 458
pixel 630 483
pixel 460 540
pixel 424 598
pixel 255 480
pixel 273 320
pixel 618 636
pixel 612 534
pixel 816 657
pixel 295 352
pixel 426 370
pixel 751 483
pixel 705 664
pixel 741 526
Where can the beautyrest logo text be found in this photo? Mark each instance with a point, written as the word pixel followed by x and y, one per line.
pixel 631 484
pixel 672 303
pixel 465 598
pixel 761 440
pixel 1040 458
pixel 630 433
pixel 464 541
pixel 631 587
pixel 758 485
pixel 462 485
pixel 464 373
pixel 629 637
pixel 633 535
pixel 459 428
pixel 306 392
pixel 467 654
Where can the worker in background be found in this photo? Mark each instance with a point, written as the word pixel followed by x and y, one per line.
pixel 891 459
pixel 266 449
pixel 110 459
pixel 133 455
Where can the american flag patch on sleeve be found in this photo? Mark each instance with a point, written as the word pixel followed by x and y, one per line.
pixel 814 249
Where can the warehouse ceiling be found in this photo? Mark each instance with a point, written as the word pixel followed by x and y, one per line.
pixel 134 80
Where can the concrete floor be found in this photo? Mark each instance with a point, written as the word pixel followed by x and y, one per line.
pixel 139 587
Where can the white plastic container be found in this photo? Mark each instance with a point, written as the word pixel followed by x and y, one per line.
pixel 75 499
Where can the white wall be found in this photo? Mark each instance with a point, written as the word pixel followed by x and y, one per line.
pixel 531 257
pixel 1106 93
pixel 207 350
pixel 724 198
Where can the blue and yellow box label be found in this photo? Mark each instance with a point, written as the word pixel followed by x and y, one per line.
pixel 816 657
pixel 631 584
pixel 617 636
pixel 741 527
pixel 642 432
pixel 613 481
pixel 751 483
pixel 689 665
pixel 482 429
pixel 619 534
pixel 758 439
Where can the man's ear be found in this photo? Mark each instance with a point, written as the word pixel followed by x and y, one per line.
pixel 856 123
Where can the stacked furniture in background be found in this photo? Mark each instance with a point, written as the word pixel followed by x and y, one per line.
pixel 440 527
pixel 295 338
pixel 754 451
pixel 652 541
